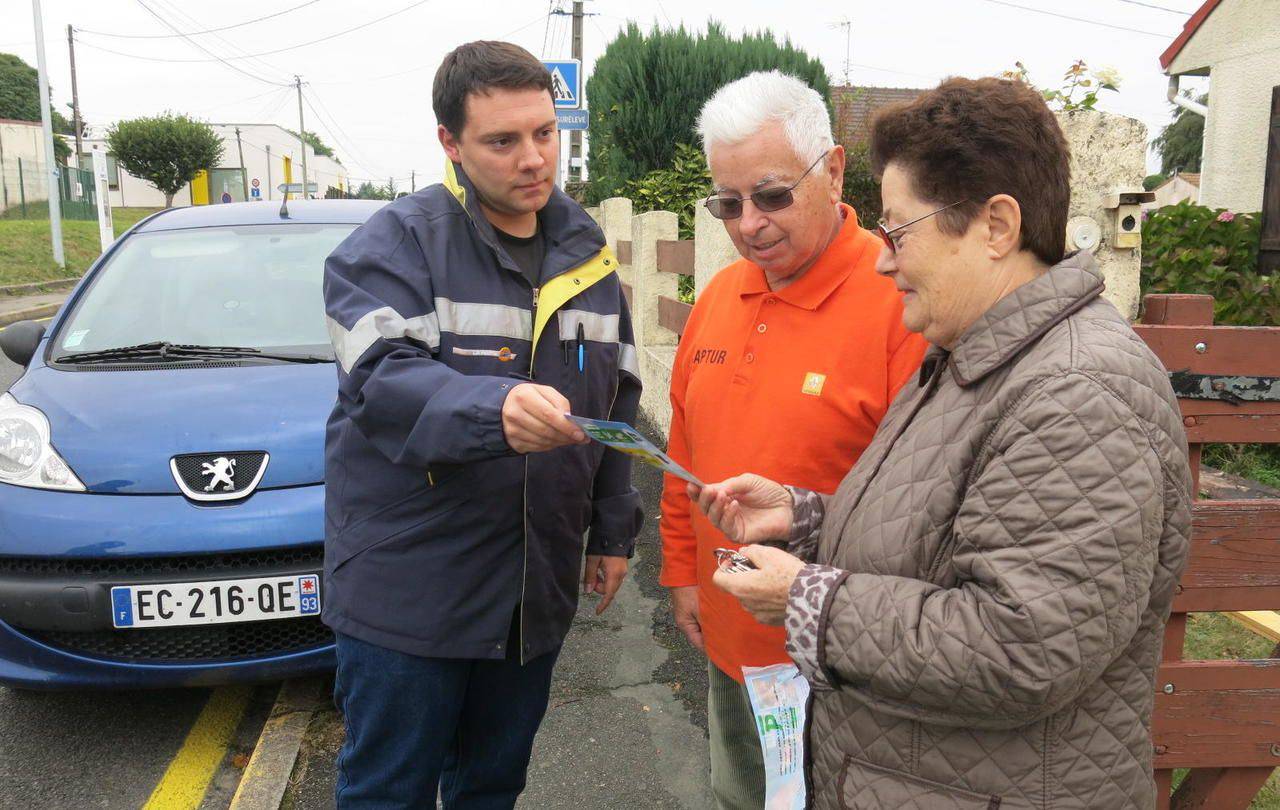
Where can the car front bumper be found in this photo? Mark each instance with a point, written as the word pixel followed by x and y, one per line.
pixel 60 554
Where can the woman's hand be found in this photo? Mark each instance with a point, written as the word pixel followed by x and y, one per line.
pixel 763 592
pixel 748 508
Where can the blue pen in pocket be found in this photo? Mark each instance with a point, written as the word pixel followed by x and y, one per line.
pixel 582 349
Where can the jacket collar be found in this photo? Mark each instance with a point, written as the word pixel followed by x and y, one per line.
pixel 827 273
pixel 572 236
pixel 1024 315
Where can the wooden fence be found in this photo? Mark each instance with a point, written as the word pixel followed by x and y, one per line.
pixel 1221 719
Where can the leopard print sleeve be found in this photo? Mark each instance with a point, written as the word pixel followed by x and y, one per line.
pixel 810 591
pixel 807 511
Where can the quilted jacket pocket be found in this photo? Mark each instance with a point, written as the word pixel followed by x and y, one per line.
pixel 864 786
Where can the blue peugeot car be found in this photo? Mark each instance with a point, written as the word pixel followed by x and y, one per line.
pixel 162 457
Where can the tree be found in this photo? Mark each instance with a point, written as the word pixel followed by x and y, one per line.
pixel 646 91
pixel 368 191
pixel 320 147
pixel 167 150
pixel 1181 143
pixel 20 100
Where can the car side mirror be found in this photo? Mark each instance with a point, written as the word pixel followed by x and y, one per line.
pixel 19 341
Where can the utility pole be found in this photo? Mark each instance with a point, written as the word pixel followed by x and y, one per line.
pixel 244 178
pixel 75 94
pixel 847 25
pixel 302 139
pixel 268 171
pixel 575 137
pixel 413 179
pixel 50 162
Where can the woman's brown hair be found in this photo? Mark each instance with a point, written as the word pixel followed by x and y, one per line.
pixel 971 139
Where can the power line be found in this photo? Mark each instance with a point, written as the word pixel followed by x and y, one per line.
pixel 175 11
pixel 197 33
pixel 547 29
pixel 195 44
pixel 325 38
pixel 331 124
pixel 1079 19
pixel 1157 8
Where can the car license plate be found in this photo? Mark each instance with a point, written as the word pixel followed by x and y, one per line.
pixel 228 600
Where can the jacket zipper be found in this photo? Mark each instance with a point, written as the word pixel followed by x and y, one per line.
pixel 524 573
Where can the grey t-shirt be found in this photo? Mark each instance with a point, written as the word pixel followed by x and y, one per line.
pixel 526 252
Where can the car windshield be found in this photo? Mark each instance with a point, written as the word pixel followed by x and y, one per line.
pixel 253 286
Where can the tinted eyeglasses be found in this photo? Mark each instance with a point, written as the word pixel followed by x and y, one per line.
pixel 887 234
pixel 767 200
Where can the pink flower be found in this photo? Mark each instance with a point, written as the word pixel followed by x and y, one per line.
pixel 1226 216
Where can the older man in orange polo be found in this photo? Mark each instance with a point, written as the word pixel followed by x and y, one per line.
pixel 789 360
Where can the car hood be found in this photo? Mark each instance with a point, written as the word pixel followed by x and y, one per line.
pixel 118 429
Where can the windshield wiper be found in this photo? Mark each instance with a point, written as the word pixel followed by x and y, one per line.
pixel 163 350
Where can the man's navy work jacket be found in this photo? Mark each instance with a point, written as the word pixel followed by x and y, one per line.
pixel 435 530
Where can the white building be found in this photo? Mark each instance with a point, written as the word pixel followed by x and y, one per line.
pixel 1182 186
pixel 22 168
pixel 1237 44
pixel 271 157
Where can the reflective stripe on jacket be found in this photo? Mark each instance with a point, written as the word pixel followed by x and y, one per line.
pixel 436 531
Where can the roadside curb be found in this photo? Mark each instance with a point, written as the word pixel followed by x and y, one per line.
pixel 56 285
pixel 266 777
pixel 31 313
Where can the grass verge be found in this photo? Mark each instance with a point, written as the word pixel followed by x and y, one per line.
pixel 26 253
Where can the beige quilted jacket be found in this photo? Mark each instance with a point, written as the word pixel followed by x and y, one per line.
pixel 983 618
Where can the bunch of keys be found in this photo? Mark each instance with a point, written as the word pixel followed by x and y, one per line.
pixel 733 562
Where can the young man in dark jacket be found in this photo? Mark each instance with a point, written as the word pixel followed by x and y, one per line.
pixel 467 319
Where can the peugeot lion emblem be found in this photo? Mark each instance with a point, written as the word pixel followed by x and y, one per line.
pixel 223 470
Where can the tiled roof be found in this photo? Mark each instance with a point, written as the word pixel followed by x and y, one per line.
pixel 1188 31
pixel 856 106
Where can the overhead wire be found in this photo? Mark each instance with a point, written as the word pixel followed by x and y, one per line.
pixel 547 29
pixel 176 11
pixel 197 33
pixel 1079 19
pixel 1158 8
pixel 417 68
pixel 333 128
pixel 298 45
pixel 200 47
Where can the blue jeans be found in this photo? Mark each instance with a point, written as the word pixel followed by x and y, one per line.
pixel 415 725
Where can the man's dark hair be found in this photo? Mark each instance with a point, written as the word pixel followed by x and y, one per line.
pixel 477 68
pixel 971 139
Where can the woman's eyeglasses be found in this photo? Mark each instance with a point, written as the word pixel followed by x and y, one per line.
pixel 767 200
pixel 887 234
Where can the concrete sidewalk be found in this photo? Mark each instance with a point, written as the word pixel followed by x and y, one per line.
pixel 29 307
pixel 627 722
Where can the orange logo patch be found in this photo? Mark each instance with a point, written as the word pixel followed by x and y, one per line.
pixel 813 383
pixel 506 355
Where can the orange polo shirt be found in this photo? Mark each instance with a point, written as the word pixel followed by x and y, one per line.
pixel 788 384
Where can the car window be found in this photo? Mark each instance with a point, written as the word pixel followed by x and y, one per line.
pixel 256 286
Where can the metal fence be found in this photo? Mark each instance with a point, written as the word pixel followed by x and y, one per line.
pixel 24 191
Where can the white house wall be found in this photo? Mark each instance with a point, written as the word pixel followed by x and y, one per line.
pixel 265 148
pixel 1240 45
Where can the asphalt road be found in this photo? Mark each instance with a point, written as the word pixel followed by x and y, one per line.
pixel 106 749
pixel 626 726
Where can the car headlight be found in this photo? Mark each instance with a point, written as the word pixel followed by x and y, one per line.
pixel 27 457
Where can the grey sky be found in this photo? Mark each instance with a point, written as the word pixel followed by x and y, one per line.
pixel 371 87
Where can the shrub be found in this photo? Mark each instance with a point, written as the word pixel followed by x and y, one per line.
pixel 1189 248
pixel 646 91
pixel 860 187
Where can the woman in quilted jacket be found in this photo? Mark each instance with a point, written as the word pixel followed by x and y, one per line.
pixel 979 606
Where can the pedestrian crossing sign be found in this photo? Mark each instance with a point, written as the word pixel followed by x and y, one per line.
pixel 566 83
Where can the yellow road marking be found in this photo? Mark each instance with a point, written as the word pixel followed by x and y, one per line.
pixel 187 778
